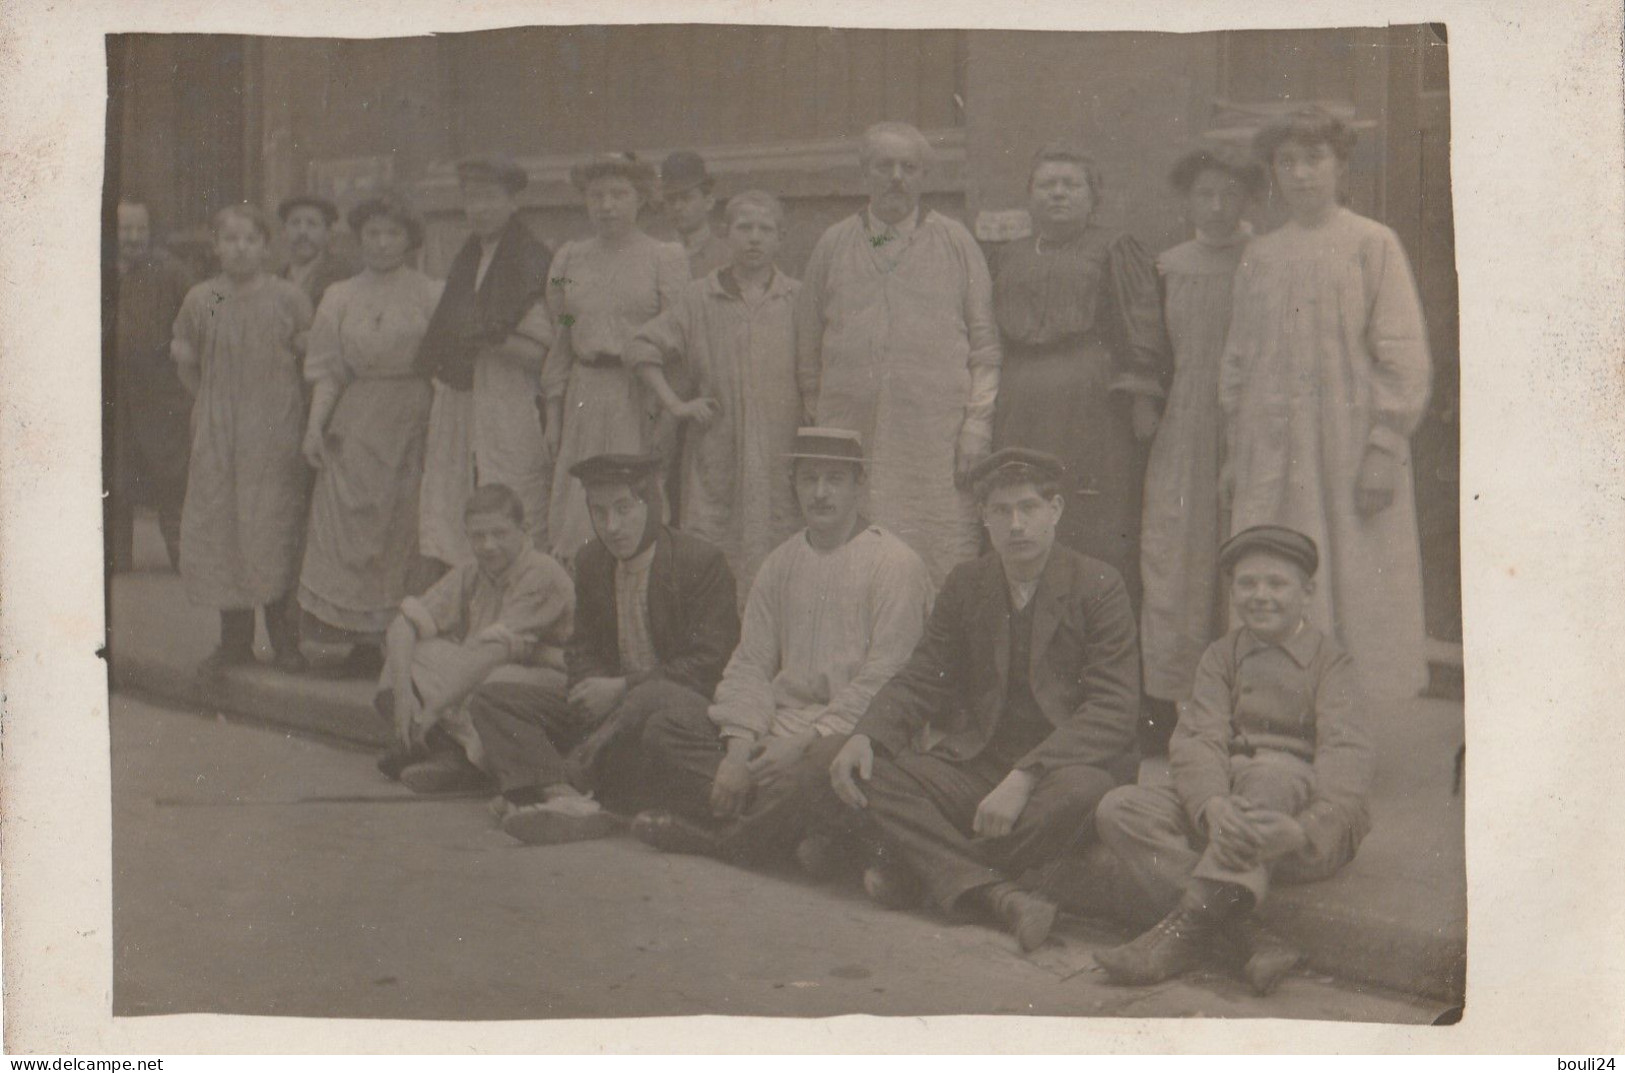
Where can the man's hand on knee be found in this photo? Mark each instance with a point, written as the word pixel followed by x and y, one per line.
pixel 732 785
pixel 996 816
pixel 1279 835
pixel 857 757
pixel 597 697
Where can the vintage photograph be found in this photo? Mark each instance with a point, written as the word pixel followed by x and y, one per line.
pixel 663 520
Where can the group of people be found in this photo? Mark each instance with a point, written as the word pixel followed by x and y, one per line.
pixel 646 528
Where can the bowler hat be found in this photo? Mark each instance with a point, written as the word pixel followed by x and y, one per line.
pixel 1277 540
pixel 683 170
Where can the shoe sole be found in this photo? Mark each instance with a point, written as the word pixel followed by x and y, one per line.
pixel 1265 973
pixel 1035 929
pixel 538 828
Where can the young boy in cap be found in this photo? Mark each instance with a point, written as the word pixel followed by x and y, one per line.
pixel 986 755
pixel 503 617
pixel 1271 772
pixel 484 350
pixel 832 614
pixel 656 619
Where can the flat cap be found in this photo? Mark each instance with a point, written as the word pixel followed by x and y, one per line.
pixel 329 211
pixel 1036 465
pixel 615 469
pixel 828 444
pixel 493 169
pixel 1277 540
pixel 683 170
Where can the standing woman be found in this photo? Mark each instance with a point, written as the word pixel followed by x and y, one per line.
pixel 1182 609
pixel 601 290
pixel 368 417
pixel 1085 355
pixel 235 349
pixel 1324 379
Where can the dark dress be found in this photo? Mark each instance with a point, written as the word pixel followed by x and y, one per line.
pixel 1081 325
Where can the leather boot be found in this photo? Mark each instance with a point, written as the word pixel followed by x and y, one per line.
pixel 1172 947
pixel 1027 916
pixel 1266 956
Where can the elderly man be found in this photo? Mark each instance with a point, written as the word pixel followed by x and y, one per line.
pixel 656 619
pixel 151 408
pixel 987 754
pixel 504 617
pixel 687 191
pixel 895 339
pixel 484 348
pixel 833 613
pixel 307 224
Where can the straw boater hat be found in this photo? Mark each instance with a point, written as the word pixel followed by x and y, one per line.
pixel 1277 540
pixel 828 444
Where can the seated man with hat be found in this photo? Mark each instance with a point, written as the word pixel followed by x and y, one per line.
pixel 984 758
pixel 503 617
pixel 832 614
pixel 656 619
pixel 484 350
pixel 1271 772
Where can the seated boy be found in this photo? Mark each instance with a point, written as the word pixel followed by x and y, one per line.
pixel 503 618
pixel 1271 773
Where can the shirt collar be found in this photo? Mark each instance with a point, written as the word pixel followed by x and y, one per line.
pixel 1301 646
pixel 637 564
pixel 904 227
pixel 723 282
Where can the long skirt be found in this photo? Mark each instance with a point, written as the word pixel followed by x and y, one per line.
pixel 605 412
pixel 363 520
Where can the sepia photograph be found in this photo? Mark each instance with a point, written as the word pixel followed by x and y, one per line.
pixel 658 520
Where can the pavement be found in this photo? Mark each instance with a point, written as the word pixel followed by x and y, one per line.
pixel 210 828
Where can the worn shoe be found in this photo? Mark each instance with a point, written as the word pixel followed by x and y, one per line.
pixel 1172 947
pixel 1025 915
pixel 446 772
pixel 1266 957
pixel 562 819
pixel 670 833
pixel 891 885
pixel 818 857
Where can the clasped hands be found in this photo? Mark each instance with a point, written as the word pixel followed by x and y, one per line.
pixel 1242 835
pixel 751 764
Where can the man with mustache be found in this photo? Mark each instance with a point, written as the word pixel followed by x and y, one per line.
pixel 984 758
pixel 307 224
pixel 1271 774
pixel 833 613
pixel 895 340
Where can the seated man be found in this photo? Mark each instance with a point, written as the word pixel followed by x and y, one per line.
pixel 656 619
pixel 833 613
pixel 986 755
pixel 1270 776
pixel 504 617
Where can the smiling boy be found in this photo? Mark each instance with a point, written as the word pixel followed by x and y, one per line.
pixel 1271 774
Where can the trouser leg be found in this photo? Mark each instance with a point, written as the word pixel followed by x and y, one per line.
pixel 924 807
pixel 120 534
pixel 1148 831
pixel 237 630
pixel 1278 782
pixel 779 816
pixel 169 527
pixel 522 727
pixel 1059 819
pixel 684 750
pixel 623 770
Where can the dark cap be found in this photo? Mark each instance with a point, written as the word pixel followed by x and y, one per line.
pixel 1019 462
pixel 615 469
pixel 329 211
pixel 1277 540
pixel 828 444
pixel 683 170
pixel 493 169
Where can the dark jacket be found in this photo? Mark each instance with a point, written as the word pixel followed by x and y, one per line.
pixel 693 614
pixel 1085 669
pixel 468 320
pixel 330 269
